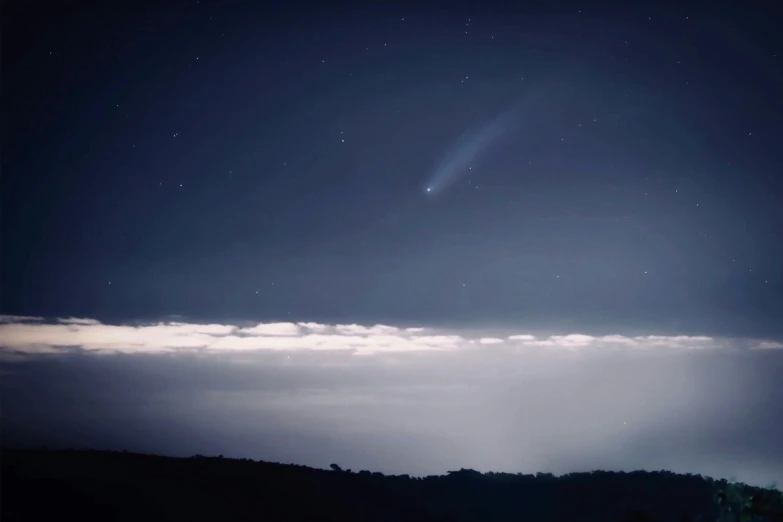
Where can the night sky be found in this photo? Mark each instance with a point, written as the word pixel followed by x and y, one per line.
pixel 399 237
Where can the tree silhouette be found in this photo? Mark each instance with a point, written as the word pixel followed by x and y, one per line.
pixel 97 485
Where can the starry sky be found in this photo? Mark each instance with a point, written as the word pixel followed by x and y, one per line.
pixel 360 232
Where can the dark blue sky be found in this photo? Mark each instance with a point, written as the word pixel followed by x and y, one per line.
pixel 192 155
pixel 258 162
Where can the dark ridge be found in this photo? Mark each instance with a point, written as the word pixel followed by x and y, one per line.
pixel 104 485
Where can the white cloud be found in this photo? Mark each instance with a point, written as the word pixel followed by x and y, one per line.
pixel 315 327
pixel 272 329
pixel 93 336
pixel 76 320
pixel 208 329
pixel 18 318
pixel 522 337
pixel 580 341
pixel 490 340
pixel 677 339
pixel 18 334
pixel 353 329
pixel 770 345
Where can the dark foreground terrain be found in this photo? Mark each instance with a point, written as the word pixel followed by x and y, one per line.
pixel 101 485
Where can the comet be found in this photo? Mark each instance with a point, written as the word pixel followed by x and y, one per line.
pixel 467 151
pixel 476 143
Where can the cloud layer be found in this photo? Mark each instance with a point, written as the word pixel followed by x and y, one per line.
pixel 398 399
pixel 33 335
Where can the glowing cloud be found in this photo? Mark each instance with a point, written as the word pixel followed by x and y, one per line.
pixel 22 335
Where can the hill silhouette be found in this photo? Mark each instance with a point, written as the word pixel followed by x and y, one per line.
pixel 106 485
